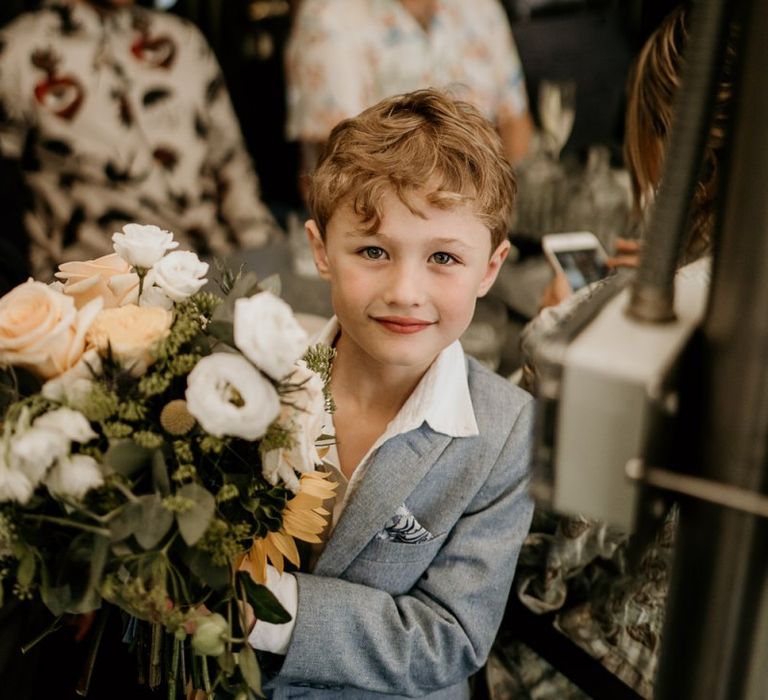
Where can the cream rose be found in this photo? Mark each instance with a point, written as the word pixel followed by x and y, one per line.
pixel 132 333
pixel 142 246
pixel 41 330
pixel 268 334
pixel 108 277
pixel 180 274
pixel 229 396
pixel 303 414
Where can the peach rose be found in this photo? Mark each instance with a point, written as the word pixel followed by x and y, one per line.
pixel 132 333
pixel 41 330
pixel 108 277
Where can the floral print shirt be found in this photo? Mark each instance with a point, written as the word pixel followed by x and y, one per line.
pixel 346 55
pixel 118 117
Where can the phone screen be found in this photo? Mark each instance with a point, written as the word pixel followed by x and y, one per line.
pixel 581 267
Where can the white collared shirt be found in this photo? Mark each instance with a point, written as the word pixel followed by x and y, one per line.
pixel 441 399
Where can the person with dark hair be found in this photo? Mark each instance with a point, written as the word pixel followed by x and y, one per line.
pixel 119 114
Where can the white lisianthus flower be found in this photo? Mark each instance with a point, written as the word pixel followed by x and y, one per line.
pixel 14 484
pixel 303 414
pixel 180 274
pixel 33 451
pixel 74 386
pixel 228 396
pixel 268 334
pixel 74 476
pixel 73 424
pixel 142 246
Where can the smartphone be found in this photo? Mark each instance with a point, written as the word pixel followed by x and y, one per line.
pixel 578 255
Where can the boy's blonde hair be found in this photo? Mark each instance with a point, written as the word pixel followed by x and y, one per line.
pixel 420 143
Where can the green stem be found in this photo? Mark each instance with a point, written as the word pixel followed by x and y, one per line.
pixel 55 625
pixel 172 676
pixel 156 656
pixel 125 491
pixel 84 683
pixel 68 523
pixel 206 677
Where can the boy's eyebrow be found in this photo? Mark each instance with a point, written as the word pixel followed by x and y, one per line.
pixel 380 235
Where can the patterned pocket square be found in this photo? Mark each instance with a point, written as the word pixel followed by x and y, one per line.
pixel 403 527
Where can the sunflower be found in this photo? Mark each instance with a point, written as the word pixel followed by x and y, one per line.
pixel 304 518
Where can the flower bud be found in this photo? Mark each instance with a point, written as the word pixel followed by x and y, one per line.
pixel 210 635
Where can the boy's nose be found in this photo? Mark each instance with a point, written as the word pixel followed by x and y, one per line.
pixel 405 287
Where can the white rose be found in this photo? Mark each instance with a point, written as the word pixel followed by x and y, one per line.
pixel 268 334
pixel 303 414
pixel 74 476
pixel 74 386
pixel 41 330
pixel 180 274
pixel 35 450
pixel 142 246
pixel 228 396
pixel 14 484
pixel 154 296
pixel 73 424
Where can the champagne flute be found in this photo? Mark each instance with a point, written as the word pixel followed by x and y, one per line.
pixel 557 110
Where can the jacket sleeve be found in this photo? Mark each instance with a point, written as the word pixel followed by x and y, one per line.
pixel 441 631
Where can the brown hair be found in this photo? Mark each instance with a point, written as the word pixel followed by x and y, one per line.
pixel 653 84
pixel 405 144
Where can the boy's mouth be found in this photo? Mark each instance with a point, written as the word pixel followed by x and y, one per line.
pixel 402 324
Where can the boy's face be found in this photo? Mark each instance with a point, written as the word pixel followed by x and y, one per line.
pixel 404 293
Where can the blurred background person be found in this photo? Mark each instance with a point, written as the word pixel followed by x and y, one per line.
pixel 595 584
pixel 113 113
pixel 345 56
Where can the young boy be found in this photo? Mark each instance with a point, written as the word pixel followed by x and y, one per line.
pixel 410 204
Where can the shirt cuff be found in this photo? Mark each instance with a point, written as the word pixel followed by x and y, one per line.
pixel 276 638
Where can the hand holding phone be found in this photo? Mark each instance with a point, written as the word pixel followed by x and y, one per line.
pixel 578 255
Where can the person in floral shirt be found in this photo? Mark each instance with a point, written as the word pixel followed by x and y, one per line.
pixel 345 56
pixel 120 114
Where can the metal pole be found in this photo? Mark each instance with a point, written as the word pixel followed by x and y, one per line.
pixel 715 643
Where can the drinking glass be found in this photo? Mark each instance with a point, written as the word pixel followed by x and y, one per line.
pixel 557 110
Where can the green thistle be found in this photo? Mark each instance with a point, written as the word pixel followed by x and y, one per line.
pixel 319 359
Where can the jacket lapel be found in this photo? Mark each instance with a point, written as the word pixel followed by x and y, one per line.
pixel 394 471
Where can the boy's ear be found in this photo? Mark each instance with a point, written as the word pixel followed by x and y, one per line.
pixel 317 245
pixel 494 265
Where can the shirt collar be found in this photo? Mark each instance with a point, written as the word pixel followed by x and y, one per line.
pixel 441 398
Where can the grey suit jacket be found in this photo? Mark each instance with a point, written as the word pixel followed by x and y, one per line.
pixel 384 618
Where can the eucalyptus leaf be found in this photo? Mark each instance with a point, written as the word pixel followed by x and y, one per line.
pixel 58 599
pixel 160 478
pixel 249 667
pixel 155 521
pixel 194 522
pixel 265 606
pixel 126 457
pixel 126 522
pixel 223 331
pixel 201 564
pixel 271 284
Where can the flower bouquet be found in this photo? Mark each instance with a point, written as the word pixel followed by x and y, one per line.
pixel 158 449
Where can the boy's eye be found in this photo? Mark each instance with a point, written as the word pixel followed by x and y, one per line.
pixel 373 252
pixel 443 258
